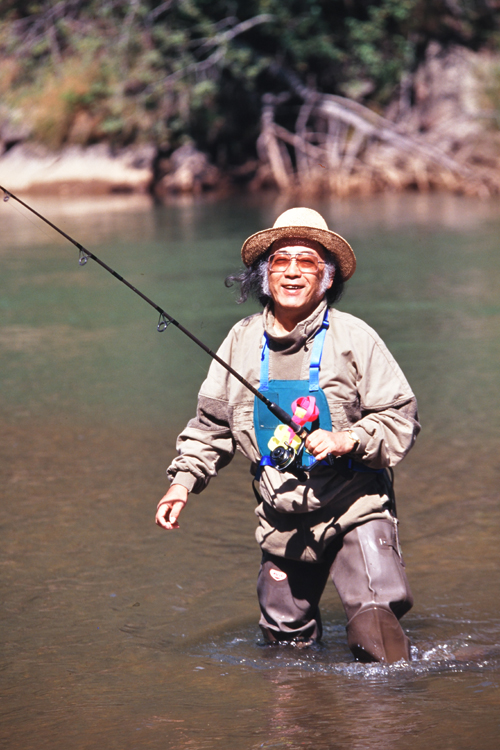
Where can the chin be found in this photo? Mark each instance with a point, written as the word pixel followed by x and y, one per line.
pixel 299 302
pixel 294 301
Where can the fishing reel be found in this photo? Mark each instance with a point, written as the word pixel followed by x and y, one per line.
pixel 285 448
pixel 283 457
pixel 285 451
pixel 287 458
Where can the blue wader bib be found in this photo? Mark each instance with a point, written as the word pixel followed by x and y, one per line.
pixel 284 393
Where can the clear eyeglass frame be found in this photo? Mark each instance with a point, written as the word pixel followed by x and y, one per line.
pixel 280 261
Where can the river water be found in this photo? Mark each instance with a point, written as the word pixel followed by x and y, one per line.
pixel 119 635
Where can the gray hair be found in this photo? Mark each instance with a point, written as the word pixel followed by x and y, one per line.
pixel 254 282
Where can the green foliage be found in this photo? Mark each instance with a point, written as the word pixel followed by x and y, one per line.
pixel 146 70
pixel 382 46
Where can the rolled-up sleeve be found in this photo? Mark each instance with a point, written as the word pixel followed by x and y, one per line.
pixel 206 444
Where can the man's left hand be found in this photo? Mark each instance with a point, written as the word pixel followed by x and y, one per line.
pixel 321 443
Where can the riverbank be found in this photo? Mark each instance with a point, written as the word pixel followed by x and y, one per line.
pixel 448 139
pixel 100 170
pixel 351 100
pixel 75 170
pixel 443 136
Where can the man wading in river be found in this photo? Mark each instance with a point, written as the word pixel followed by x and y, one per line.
pixel 326 509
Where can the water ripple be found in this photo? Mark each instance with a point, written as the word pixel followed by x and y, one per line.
pixel 465 653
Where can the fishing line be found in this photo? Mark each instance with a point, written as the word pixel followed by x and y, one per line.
pixel 41 229
pixel 25 216
pixel 164 319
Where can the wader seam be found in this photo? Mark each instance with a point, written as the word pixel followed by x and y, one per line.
pixel 370 587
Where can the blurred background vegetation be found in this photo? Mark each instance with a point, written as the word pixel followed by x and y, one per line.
pixel 138 71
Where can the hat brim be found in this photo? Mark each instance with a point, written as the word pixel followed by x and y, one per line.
pixel 260 242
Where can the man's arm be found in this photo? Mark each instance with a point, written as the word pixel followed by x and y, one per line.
pixel 204 447
pixel 389 418
pixel 387 434
pixel 386 419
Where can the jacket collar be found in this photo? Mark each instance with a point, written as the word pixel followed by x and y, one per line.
pixel 303 331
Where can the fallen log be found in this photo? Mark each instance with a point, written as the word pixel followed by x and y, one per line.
pixel 367 151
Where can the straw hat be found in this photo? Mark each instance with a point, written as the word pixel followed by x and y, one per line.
pixel 306 224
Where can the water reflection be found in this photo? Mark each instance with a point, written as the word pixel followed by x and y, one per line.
pixel 117 636
pixel 312 711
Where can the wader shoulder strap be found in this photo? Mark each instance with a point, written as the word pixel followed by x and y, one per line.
pixel 264 365
pixel 316 354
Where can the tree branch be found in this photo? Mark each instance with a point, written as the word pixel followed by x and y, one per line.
pixel 221 40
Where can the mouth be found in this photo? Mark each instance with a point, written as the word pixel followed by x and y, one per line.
pixel 292 287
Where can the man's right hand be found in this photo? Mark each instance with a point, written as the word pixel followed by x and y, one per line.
pixel 170 506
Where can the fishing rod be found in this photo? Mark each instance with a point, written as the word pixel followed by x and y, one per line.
pixel 165 320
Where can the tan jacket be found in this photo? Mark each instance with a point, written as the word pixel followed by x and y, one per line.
pixel 365 390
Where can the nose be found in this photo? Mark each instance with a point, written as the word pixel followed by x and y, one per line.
pixel 293 268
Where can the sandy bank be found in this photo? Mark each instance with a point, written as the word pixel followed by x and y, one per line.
pixel 76 170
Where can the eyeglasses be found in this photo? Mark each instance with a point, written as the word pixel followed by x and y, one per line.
pixel 306 262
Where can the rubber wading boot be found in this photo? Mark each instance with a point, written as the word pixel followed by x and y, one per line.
pixel 374 634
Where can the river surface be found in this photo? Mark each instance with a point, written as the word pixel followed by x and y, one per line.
pixel 116 634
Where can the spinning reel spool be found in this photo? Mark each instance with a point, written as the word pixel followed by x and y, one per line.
pixel 283 457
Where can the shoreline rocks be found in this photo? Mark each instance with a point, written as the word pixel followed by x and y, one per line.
pixel 187 170
pixel 98 170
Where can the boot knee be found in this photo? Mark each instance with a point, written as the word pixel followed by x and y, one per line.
pixel 286 612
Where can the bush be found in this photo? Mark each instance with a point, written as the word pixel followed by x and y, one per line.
pixel 148 71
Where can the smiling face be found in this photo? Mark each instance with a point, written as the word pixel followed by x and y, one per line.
pixel 296 291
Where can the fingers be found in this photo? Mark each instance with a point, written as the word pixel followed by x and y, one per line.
pixel 174 514
pixel 322 443
pixel 168 513
pixel 321 454
pixel 162 514
pixel 164 518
